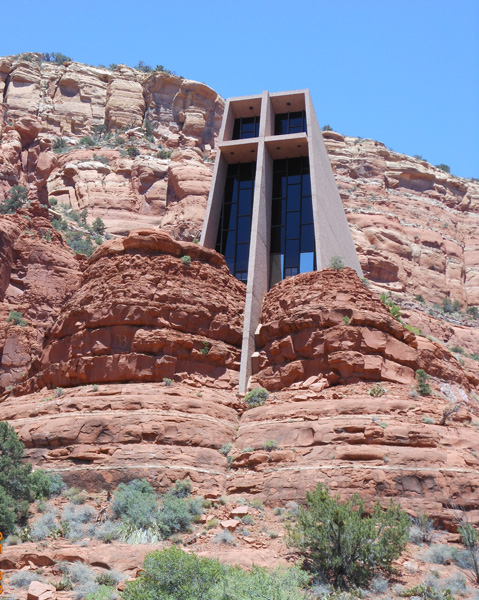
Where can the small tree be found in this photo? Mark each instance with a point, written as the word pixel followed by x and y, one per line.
pixel 16 318
pixel 15 199
pixel 98 226
pixel 344 545
pixel 470 539
pixel 327 128
pixel 443 167
pixel 423 388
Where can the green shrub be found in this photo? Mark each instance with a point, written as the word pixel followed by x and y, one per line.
pixel 394 309
pixel 423 388
pixel 55 57
pixel 425 526
pixel 141 66
pixel 377 390
pixel 457 350
pixel 344 545
pixel 99 130
pixel 164 153
pixel 18 485
pixel 132 151
pixel 15 199
pixel 59 145
pixel 256 397
pixel 168 382
pixel 23 579
pixel 327 128
pixel 182 488
pixel 270 445
pixel 212 523
pixel 420 298
pixel 443 167
pixel 206 347
pixel 440 554
pixel 98 226
pixel 87 141
pixel 176 514
pixel 136 502
pixel 16 318
pixel 346 320
pixel 186 260
pixel 174 575
pixel 226 449
pixel 473 311
pixel 336 263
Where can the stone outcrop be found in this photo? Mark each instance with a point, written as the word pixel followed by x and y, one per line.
pixel 38 273
pixel 144 314
pixel 329 324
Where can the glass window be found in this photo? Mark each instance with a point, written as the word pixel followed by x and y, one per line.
pixel 292 249
pixel 291 122
pixel 245 127
pixel 234 232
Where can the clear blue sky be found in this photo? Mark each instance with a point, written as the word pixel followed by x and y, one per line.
pixel 405 73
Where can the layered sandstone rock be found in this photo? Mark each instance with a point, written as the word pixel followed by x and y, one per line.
pixel 38 273
pixel 144 314
pixel 329 324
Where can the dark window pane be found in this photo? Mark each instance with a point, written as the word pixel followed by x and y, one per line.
pixel 294 166
pixel 244 199
pixel 231 264
pixel 246 171
pixel 229 216
pixel 277 243
pixel 229 242
pixel 242 254
pixel 229 189
pixel 256 128
pixel 307 238
pixel 306 184
pixel 244 227
pixel 294 197
pixel 281 124
pixel 292 253
pixel 306 210
pixel 279 165
pixel 232 171
pixel 277 212
pixel 236 129
pixel 292 225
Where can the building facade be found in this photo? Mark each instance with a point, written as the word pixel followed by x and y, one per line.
pixel 274 209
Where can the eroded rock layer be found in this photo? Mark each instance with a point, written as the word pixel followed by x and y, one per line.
pixel 148 308
pixel 330 324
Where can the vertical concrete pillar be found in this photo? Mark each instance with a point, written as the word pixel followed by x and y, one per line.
pixel 258 265
pixel 331 228
pixel 215 203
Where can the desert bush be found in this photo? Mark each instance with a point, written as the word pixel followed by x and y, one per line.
pixel 163 153
pixel 344 545
pixel 98 226
pixel 15 199
pixel 59 145
pixel 423 388
pixel 226 449
pixel 176 514
pixel 327 128
pixel 256 397
pixel 132 151
pixel 470 539
pixel 186 260
pixel 212 523
pixel 22 579
pixel 224 537
pixel 110 578
pixel 420 298
pixel 78 514
pixel 100 592
pixel 182 488
pixel 394 309
pixel 16 318
pixel 43 526
pixel 248 519
pixel 377 390
pixel 473 311
pixel 425 526
pixel 107 532
pixel 346 320
pixel 18 485
pixel 175 575
pixel 87 141
pixel 336 263
pixel 270 445
pixel 440 554
pixel 379 585
pixel 136 502
pixel 167 382
pixel 443 167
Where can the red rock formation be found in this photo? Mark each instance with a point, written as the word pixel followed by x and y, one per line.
pixel 38 273
pixel 142 314
pixel 304 334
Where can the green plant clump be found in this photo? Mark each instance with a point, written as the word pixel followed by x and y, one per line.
pixel 336 263
pixel 19 485
pixel 16 318
pixel 377 390
pixel 256 397
pixel 423 388
pixel 344 545
pixel 15 199
pixel 186 260
pixel 394 309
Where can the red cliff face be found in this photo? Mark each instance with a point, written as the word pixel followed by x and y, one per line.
pixel 148 308
pixel 331 325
